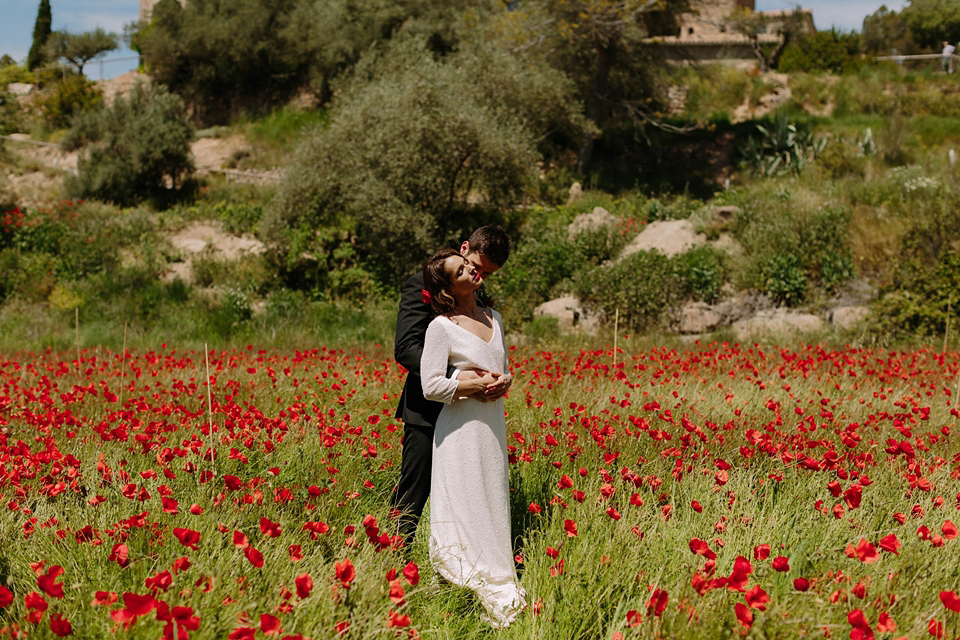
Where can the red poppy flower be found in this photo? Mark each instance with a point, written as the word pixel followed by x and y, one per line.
pixel 395 619
pixel 48 584
pixel 304 585
pixel 757 598
pixel 412 573
pixel 950 600
pixel 396 593
pixel 781 563
pixel 270 625
pixel 890 543
pixel 254 556
pixel 935 628
pixel 886 624
pixel 187 537
pixel 657 603
pixel 866 552
pixel 345 572
pixel 60 626
pixel 269 528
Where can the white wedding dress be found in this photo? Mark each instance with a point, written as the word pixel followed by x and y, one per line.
pixel 470 542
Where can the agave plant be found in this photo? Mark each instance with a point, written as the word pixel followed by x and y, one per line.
pixel 781 148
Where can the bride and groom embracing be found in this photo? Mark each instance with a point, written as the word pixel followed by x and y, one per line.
pixel 454 438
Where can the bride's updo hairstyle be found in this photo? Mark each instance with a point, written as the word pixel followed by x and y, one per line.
pixel 437 283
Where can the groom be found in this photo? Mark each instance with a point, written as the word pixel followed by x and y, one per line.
pixel 487 249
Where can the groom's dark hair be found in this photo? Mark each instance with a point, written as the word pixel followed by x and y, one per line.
pixel 491 241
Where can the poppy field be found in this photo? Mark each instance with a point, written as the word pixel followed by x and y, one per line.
pixel 720 491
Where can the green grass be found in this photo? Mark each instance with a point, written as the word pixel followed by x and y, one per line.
pixel 308 417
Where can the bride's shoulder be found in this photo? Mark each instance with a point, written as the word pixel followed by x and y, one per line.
pixel 439 322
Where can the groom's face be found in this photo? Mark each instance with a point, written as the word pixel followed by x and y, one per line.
pixel 478 261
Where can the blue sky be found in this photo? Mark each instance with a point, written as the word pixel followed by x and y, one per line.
pixel 846 15
pixel 16 27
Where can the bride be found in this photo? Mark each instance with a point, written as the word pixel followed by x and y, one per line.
pixel 470 542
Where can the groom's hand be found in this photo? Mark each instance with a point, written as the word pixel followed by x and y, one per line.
pixel 499 388
pixel 475 374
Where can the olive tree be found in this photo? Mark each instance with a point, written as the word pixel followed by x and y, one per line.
pixel 80 48
pixel 132 150
pixel 410 157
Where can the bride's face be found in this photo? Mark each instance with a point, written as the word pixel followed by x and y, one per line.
pixel 464 277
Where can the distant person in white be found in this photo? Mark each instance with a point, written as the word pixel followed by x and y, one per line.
pixel 947 53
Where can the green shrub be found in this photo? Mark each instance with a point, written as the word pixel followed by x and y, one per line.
pixel 711 89
pixel 82 238
pixel 286 305
pixel 65 99
pixel 138 147
pixel 784 280
pixel 841 159
pixel 780 236
pixel 248 273
pixel 407 156
pixel 644 288
pixel 702 272
pixel 830 51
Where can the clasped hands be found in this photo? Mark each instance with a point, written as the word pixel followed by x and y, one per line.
pixel 484 386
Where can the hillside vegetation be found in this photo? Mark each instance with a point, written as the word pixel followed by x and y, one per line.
pixel 837 189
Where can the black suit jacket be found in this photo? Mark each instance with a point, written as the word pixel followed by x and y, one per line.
pixel 412 320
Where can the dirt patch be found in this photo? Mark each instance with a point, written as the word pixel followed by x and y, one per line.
pixel 778 94
pixel 216 153
pixel 208 238
pixel 32 189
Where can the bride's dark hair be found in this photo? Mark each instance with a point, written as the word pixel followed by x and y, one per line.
pixel 437 282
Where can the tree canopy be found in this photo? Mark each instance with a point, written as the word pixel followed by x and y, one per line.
pixel 933 21
pixel 885 32
pixel 80 48
pixel 41 31
pixel 414 152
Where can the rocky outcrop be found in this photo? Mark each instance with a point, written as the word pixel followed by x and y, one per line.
pixel 669 237
pixel 777 322
pixel 597 219
pixel 569 313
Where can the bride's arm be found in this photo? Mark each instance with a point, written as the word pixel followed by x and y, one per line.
pixel 502 385
pixel 433 369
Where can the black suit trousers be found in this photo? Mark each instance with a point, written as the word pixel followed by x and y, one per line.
pixel 413 488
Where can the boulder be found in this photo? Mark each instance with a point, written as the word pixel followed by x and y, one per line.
pixel 776 321
pixel 698 317
pixel 569 314
pixel 18 89
pixel 576 192
pixel 669 237
pixel 598 219
pixel 848 317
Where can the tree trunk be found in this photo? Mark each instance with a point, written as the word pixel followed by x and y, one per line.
pixel 758 52
pixel 775 56
pixel 595 110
